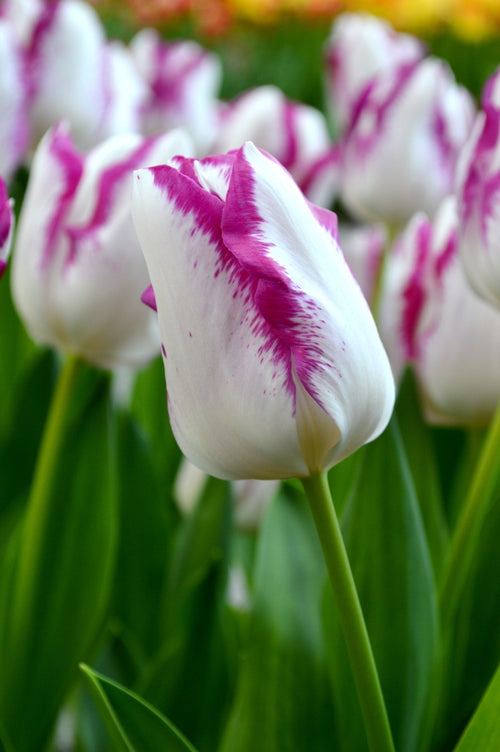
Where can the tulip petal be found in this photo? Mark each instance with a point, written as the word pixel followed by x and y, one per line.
pixel 228 374
pixel 310 298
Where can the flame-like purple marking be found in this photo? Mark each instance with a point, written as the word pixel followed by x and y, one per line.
pixel 414 292
pixel 481 190
pixel 148 298
pixel 5 215
pixel 281 317
pixel 109 184
pixel 70 163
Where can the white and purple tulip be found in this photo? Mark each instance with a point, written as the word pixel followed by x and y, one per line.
pixel 182 83
pixel 75 75
pixel 363 247
pixel 6 226
pixel 295 133
pixel 13 103
pixel 361 46
pixel 432 319
pixel 401 147
pixel 78 272
pixel 273 363
pixel 478 192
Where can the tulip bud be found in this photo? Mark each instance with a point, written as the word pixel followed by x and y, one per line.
pixel 431 318
pixel 296 134
pixel 402 144
pixel 6 226
pixel 363 247
pixel 182 81
pixel 78 272
pixel 273 362
pixel 360 47
pixel 13 104
pixel 76 76
pixel 478 194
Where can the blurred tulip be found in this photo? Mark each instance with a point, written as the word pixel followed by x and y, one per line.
pixel 401 148
pixel 296 134
pixel 78 271
pixel 479 198
pixel 182 82
pixel 13 103
pixel 251 497
pixel 6 226
pixel 359 47
pixel 273 363
pixel 75 75
pixel 363 247
pixel 431 318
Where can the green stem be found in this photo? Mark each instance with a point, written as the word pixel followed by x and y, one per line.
pixel 40 496
pixel 470 521
pixel 363 666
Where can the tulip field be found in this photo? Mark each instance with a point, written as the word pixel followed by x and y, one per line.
pixel 250 376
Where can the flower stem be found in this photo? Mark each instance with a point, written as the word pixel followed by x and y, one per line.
pixel 363 666
pixel 470 521
pixel 40 495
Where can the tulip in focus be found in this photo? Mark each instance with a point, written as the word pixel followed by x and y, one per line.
pixel 78 272
pixel 432 319
pixel 182 81
pixel 479 198
pixel 6 226
pixel 273 362
pixel 360 47
pixel 401 147
pixel 295 133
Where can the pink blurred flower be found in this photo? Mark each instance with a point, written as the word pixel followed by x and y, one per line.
pixel 77 271
pixel 432 319
pixel 401 147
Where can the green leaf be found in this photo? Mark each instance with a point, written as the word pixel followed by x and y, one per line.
pixel 483 731
pixel 283 701
pixel 472 639
pixel 148 522
pixel 419 448
pixel 190 680
pixel 133 724
pixel 16 351
pixel 149 407
pixel 386 544
pixel 54 595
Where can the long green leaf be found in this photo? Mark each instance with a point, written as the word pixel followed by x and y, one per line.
pixel 190 680
pixel 283 701
pixel 133 724
pixel 483 732
pixel 55 593
pixel 391 564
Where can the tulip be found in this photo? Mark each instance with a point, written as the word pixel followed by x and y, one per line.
pixel 251 497
pixel 6 226
pixel 401 148
pixel 182 81
pixel 295 133
pixel 13 103
pixel 78 271
pixel 273 363
pixel 360 47
pixel 76 76
pixel 478 193
pixel 431 318
pixel 363 247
